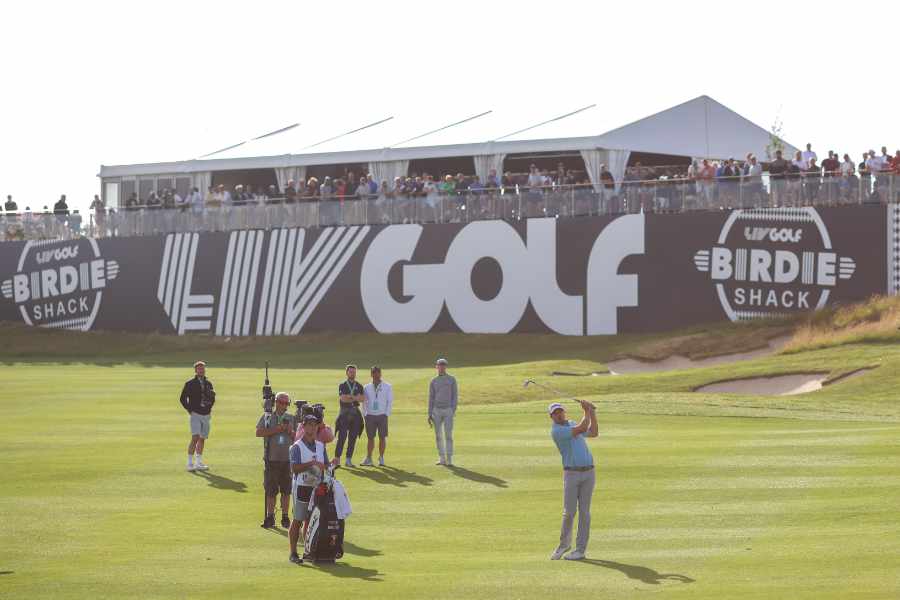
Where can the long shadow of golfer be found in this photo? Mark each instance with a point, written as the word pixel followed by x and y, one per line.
pixel 645 574
pixel 478 477
pixel 390 476
pixel 346 571
pixel 222 483
pixel 11 572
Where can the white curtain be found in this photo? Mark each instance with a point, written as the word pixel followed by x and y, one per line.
pixel 286 174
pixel 202 181
pixel 593 164
pixel 387 170
pixel 484 163
pixel 615 161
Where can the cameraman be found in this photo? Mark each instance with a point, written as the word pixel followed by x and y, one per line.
pixel 277 428
pixel 350 419
pixel 197 398
pixel 308 459
pixel 324 434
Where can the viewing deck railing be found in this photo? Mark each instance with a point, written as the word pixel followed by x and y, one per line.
pixel 660 195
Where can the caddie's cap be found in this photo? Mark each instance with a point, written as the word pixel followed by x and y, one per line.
pixel 554 407
pixel 310 419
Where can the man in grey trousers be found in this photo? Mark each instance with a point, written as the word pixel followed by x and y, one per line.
pixel 578 476
pixel 443 396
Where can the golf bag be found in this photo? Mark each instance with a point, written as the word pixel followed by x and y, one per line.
pixel 325 533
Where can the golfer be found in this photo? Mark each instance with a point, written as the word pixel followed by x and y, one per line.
pixel 443 396
pixel 377 408
pixel 578 476
pixel 197 398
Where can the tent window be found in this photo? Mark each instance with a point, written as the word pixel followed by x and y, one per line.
pixel 145 187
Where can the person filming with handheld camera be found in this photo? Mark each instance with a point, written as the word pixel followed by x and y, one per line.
pixel 278 430
pixel 309 459
pixel 324 433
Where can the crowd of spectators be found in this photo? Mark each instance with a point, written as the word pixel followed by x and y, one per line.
pixel 703 184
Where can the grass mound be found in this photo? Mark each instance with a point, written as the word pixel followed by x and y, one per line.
pixel 876 320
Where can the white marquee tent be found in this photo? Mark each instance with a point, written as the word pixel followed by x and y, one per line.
pixel 697 128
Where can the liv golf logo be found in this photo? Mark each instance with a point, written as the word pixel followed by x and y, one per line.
pixel 60 284
pixel 769 262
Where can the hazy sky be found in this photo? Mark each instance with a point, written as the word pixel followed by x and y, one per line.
pixel 91 83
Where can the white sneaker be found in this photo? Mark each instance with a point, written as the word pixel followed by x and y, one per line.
pixel 440 462
pixel 348 463
pixel 575 555
pixel 449 462
pixel 191 467
pixel 558 553
pixel 201 467
pixel 380 461
pixel 366 463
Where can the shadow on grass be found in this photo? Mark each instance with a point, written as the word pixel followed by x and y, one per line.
pixel 222 483
pixel 351 548
pixel 644 574
pixel 282 532
pixel 345 571
pixel 478 477
pixel 390 476
pixel 11 572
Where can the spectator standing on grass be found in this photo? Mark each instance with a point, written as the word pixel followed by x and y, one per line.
pixel 379 400
pixel 443 398
pixel 197 398
pixel 349 422
pixel 578 476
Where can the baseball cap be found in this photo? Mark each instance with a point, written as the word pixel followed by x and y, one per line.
pixel 554 407
pixel 310 419
pixel 441 361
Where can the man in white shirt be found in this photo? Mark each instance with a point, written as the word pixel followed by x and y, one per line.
pixel 377 408
pixel 806 155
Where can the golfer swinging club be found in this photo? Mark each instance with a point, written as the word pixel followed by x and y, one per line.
pixel 578 475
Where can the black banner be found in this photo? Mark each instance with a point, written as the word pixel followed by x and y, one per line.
pixel 583 276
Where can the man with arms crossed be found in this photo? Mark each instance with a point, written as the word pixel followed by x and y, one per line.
pixel 349 420
pixel 308 460
pixel 443 396
pixel 197 398
pixel 578 475
pixel 278 429
pixel 379 401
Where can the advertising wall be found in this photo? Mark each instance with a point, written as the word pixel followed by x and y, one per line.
pixel 586 276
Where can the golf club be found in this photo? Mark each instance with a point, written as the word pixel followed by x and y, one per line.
pixel 550 389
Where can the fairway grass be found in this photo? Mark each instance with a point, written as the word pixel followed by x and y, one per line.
pixel 698 495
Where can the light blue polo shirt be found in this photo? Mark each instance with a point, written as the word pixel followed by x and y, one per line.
pixel 573 449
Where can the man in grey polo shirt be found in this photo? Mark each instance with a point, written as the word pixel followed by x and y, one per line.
pixel 443 396
pixel 578 475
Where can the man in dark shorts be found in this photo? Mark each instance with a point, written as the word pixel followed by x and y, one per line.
pixel 277 428
pixel 379 402
pixel 349 422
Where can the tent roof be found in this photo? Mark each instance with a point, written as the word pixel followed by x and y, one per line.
pixel 699 127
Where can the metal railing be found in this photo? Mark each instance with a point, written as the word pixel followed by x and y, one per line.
pixel 659 195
